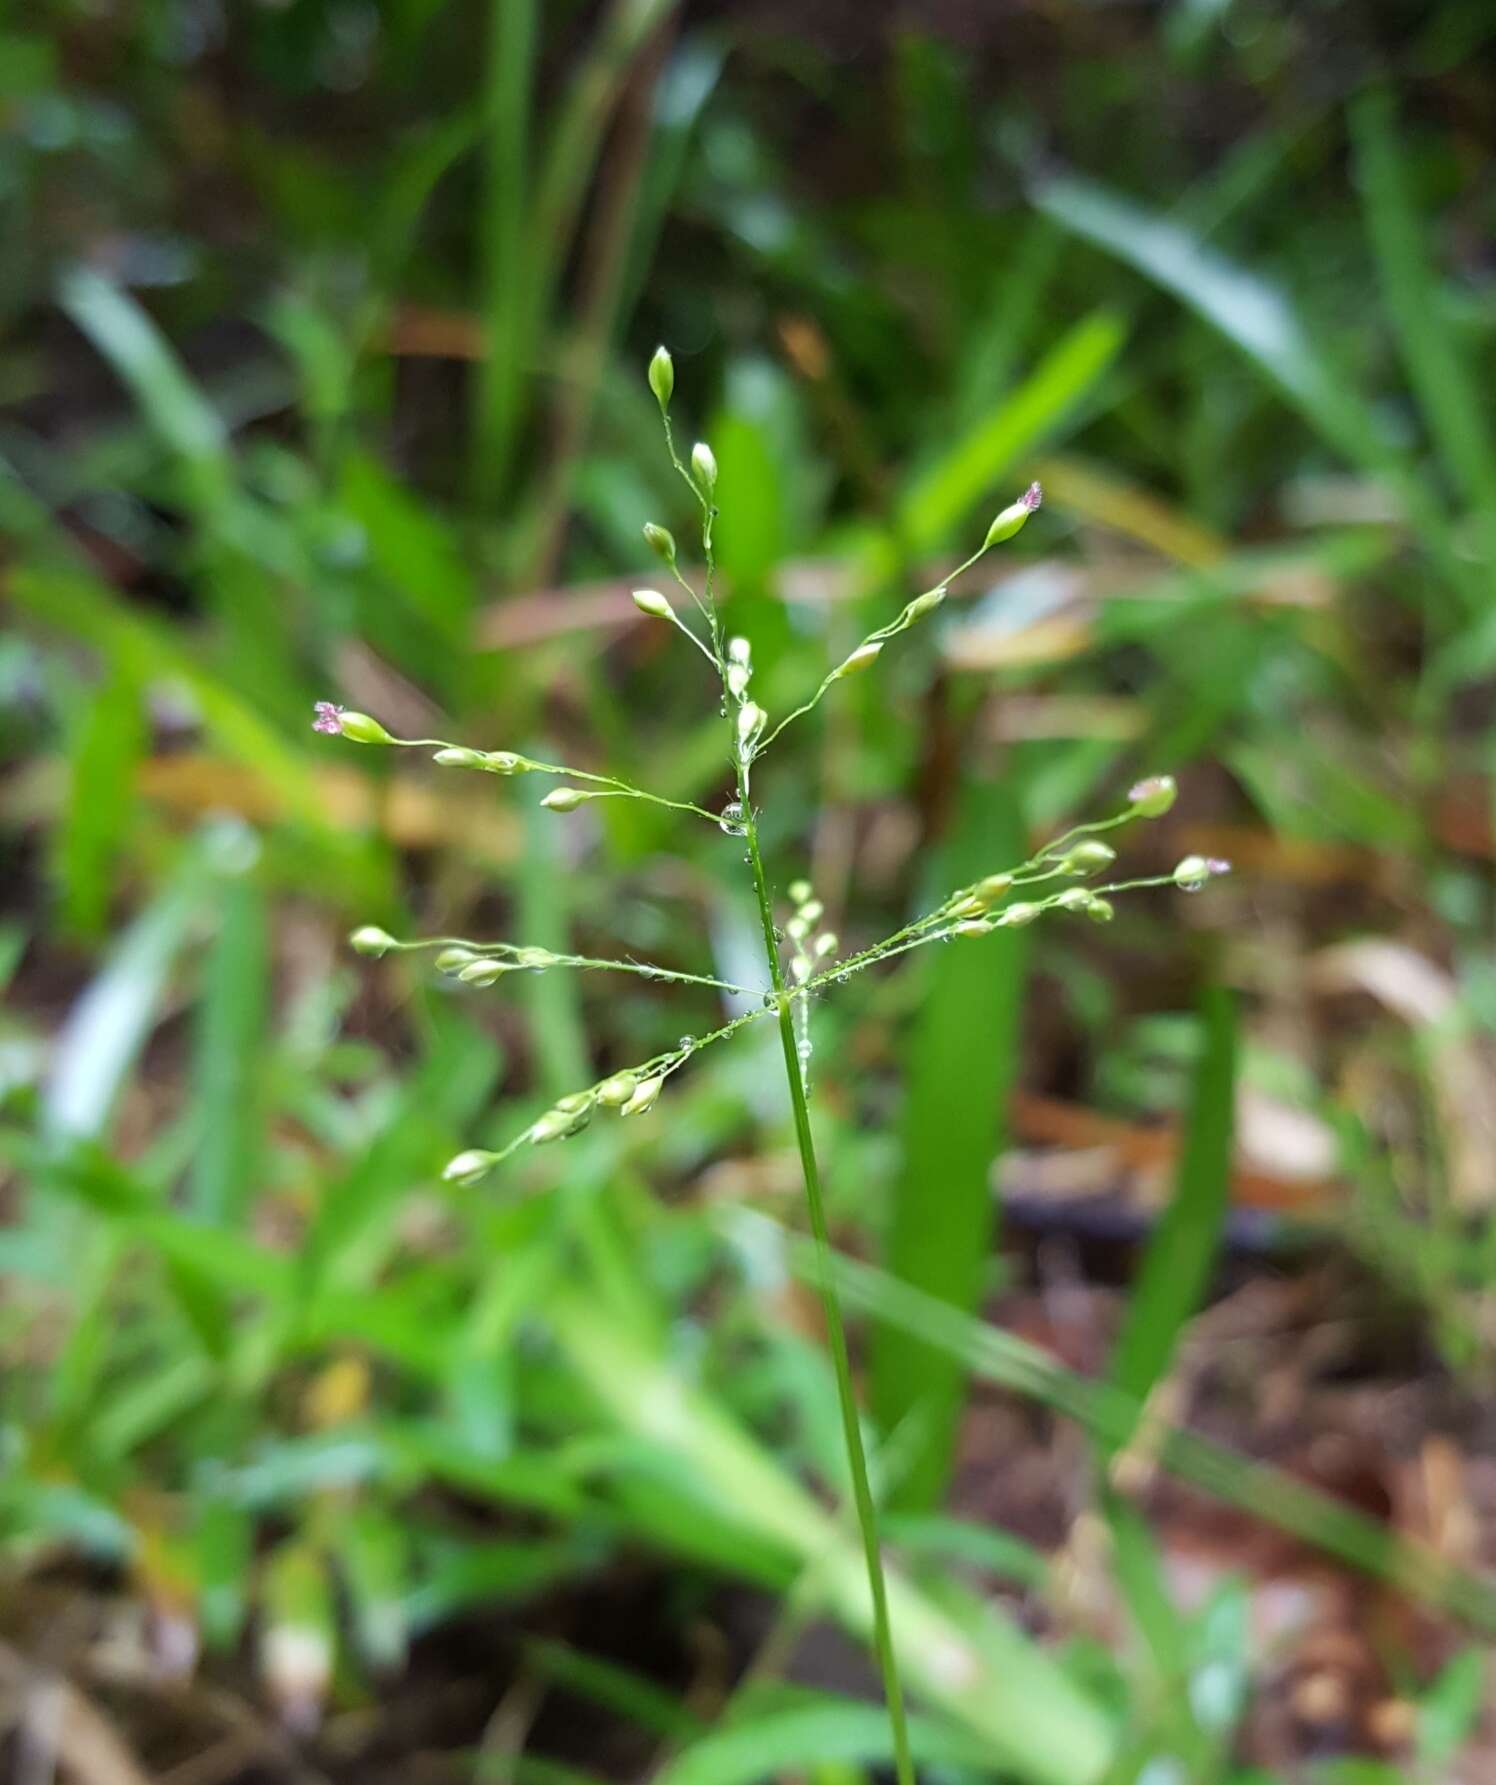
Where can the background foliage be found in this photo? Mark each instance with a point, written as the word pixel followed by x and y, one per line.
pixel 324 328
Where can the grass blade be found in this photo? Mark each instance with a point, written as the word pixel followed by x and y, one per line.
pixel 621 1689
pixel 106 1028
pixel 1249 310
pixel 1255 316
pixel 109 741
pixel 1111 1416
pixel 230 1042
pixel 979 1668
pixel 964 1058
pixel 571 153
pixel 87 610
pixel 968 472
pixel 181 415
pixel 500 374
pixel 813 1735
pixel 552 999
pixel 1445 386
pixel 1181 1253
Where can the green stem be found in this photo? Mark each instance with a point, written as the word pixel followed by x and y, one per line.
pixel 836 1332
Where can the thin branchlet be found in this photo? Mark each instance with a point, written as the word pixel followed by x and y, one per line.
pixel 519 957
pixel 361 729
pixel 629 1091
pixel 867 652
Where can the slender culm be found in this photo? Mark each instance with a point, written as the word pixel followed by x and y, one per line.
pixel 836 1332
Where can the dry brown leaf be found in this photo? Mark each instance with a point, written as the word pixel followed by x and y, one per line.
pixel 1461 1068
pixel 410 812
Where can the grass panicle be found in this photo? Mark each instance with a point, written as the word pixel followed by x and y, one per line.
pixel 1051 880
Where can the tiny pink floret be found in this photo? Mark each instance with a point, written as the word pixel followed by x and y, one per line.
pixel 328 717
pixel 1032 497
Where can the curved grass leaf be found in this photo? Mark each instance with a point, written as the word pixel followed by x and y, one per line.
pixel 789 1741
pixel 1446 385
pixel 1181 1252
pixel 183 419
pixel 968 472
pixel 970 1661
pixel 1111 1416
pixel 964 1059
pixel 229 1046
pixel 1253 314
pixel 1248 309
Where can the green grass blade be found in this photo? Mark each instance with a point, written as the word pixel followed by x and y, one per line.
pixel 552 999
pixel 968 472
pixel 1111 1416
pixel 88 611
pixel 1181 1253
pixel 108 743
pixel 680 99
pixel 229 1046
pixel 529 228
pixel 355 1232
pixel 411 177
pixel 790 1740
pixel 572 150
pixel 941 1538
pixel 177 410
pixel 621 1689
pixel 964 1058
pixel 1249 310
pixel 980 1669
pixel 507 93
pixel 1255 316
pixel 1446 387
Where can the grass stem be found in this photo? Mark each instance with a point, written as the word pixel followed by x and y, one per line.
pixel 836 1332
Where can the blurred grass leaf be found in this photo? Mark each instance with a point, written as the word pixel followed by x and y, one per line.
pixel 1111 1416
pixel 1003 1688
pixel 805 1736
pixel 1449 1710
pixel 181 416
pixel 106 1028
pixel 963 1062
pixel 1252 313
pixel 229 1047
pixel 86 609
pixel 109 741
pixel 1246 308
pixel 967 472
pixel 622 1689
pixel 1445 382
pixel 1176 1267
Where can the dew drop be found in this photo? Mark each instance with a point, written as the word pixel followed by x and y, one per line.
pixel 731 822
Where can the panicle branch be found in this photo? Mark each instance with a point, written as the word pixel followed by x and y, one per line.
pixel 630 1093
pixel 1009 522
pixel 334 720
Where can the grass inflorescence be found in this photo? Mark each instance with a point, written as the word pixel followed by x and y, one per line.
pixel 802 960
